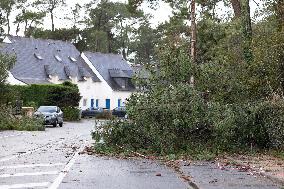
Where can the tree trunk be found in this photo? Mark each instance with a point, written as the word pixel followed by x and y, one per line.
pixel 26 26
pixel 236 4
pixel 8 22
pixel 193 38
pixel 109 42
pixel 193 33
pixel 247 31
pixel 18 28
pixel 52 20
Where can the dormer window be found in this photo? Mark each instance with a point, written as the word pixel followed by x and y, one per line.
pixel 123 83
pixel 58 58
pixel 72 59
pixel 38 56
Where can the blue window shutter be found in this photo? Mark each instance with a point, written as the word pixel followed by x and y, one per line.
pixel 97 102
pixel 119 103
pixel 92 103
pixel 107 103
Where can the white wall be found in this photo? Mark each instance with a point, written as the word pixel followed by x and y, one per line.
pixel 100 90
pixel 13 81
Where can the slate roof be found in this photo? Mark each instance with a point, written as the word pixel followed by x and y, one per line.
pixel 110 67
pixel 37 58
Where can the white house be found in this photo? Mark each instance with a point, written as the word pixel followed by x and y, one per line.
pixel 115 75
pixel 103 80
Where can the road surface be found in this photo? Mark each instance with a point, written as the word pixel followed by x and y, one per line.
pixel 51 159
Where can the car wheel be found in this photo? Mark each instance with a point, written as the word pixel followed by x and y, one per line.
pixel 61 124
pixel 55 124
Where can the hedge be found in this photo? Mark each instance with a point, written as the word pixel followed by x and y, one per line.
pixel 65 95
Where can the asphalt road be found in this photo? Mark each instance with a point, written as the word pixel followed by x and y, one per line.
pixel 37 159
pixel 51 159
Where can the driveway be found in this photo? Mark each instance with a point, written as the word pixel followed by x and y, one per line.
pixel 51 159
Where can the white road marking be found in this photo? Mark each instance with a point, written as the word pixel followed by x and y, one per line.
pixel 26 185
pixel 29 174
pixel 68 166
pixel 13 135
pixel 31 165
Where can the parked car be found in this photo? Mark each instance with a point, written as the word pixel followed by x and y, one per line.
pixel 92 112
pixel 52 115
pixel 119 111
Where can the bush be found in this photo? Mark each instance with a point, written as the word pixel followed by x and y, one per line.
pixel 71 114
pixel 64 95
pixel 228 108
pixel 184 123
pixel 9 122
pixel 105 115
pixel 166 125
pixel 258 124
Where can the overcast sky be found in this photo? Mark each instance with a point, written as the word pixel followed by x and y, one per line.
pixel 160 15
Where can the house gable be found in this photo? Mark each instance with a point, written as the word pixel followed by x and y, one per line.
pixel 113 69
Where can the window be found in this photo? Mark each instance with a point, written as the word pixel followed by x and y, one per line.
pixel 108 104
pixel 84 102
pixel 49 109
pixel 38 56
pixel 119 103
pixel 58 58
pixel 97 102
pixel 123 85
pixel 92 103
pixel 72 59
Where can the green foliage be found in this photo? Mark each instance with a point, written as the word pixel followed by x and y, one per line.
pixel 71 113
pixel 105 115
pixel 30 19
pixel 6 7
pixel 103 19
pixel 9 122
pixel 63 34
pixel 63 96
pixel 6 62
pixel 144 45
pixel 66 96
pixel 164 125
pixel 236 103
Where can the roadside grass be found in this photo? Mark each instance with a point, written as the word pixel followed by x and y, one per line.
pixel 21 124
pixel 277 153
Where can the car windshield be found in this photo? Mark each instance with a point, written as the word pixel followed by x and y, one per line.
pixel 49 109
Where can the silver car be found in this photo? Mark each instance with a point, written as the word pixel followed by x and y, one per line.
pixel 52 115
